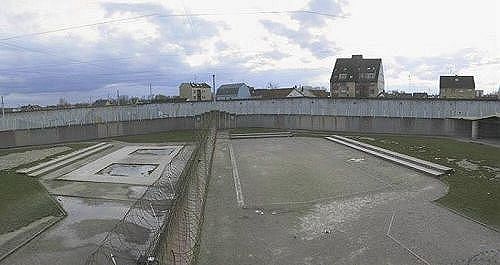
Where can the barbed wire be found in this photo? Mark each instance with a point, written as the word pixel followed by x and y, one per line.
pixel 163 226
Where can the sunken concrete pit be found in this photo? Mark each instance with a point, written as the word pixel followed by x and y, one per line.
pixel 136 165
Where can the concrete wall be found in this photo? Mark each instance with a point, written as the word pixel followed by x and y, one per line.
pixel 489 128
pixel 437 109
pixel 414 126
pixel 225 120
pixel 75 133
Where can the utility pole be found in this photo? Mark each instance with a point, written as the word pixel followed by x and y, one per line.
pixel 150 92
pixel 213 85
pixel 3 109
pixel 409 82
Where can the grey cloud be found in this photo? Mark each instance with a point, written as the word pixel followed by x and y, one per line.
pixel 320 48
pixel 275 55
pixel 429 68
pixel 63 66
pixel 109 61
pixel 330 7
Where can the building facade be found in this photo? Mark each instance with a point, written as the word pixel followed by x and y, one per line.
pixel 457 87
pixel 357 77
pixel 234 91
pixel 195 91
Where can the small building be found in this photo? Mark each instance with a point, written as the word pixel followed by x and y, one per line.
pixel 273 93
pixel 289 92
pixel 357 77
pixel 195 91
pixel 234 91
pixel 459 87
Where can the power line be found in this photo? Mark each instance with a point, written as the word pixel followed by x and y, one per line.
pixel 45 66
pixel 79 26
pixel 136 18
pixel 46 53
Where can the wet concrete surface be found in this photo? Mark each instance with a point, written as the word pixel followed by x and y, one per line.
pixel 93 210
pixel 73 238
pixel 310 201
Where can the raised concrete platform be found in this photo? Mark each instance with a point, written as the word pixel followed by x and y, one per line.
pixel 69 160
pixel 408 158
pixel 128 155
pixel 261 135
pixel 393 157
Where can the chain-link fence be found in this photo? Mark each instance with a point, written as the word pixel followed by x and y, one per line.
pixel 163 226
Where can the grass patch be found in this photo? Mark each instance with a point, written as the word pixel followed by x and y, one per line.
pixel 475 182
pixel 172 136
pixel 22 200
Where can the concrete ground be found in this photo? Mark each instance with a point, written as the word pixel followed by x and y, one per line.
pixel 311 201
pixel 94 209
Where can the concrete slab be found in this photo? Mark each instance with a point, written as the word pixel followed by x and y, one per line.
pixel 106 191
pixel 61 158
pixel 408 158
pixel 394 159
pixel 68 160
pixel 93 172
pixel 72 239
pixel 310 201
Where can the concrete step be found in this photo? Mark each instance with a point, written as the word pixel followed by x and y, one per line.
pixel 69 160
pixel 408 158
pixel 25 234
pixel 389 158
pixel 61 158
pixel 261 135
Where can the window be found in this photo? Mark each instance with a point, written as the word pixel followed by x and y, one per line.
pixel 367 75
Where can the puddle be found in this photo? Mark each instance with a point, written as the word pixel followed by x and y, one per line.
pixel 128 170
pixel 156 151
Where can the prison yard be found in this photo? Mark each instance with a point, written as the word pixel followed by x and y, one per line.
pixel 250 196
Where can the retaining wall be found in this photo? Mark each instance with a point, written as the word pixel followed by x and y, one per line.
pixel 434 108
pixel 414 126
pixel 75 133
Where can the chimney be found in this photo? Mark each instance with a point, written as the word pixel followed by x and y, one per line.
pixel 357 56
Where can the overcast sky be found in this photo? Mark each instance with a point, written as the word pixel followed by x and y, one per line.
pixel 41 60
